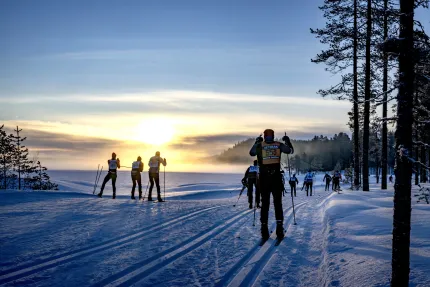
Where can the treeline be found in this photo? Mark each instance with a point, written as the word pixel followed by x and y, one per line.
pixel 321 153
pixel 17 171
pixel 378 48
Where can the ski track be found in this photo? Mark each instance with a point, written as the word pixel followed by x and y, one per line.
pixel 140 270
pixel 30 268
pixel 253 263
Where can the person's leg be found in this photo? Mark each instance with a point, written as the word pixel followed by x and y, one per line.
pixel 151 180
pixel 311 184
pixel 139 183
pixel 257 193
pixel 265 204
pixel 105 180
pixel 276 189
pixel 157 183
pixel 295 190
pixel 133 179
pixel 114 185
pixel 250 192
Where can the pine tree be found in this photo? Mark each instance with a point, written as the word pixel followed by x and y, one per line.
pixel 22 165
pixel 6 153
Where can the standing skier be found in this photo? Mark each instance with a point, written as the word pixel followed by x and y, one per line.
pixel 250 180
pixel 336 180
pixel 308 182
pixel 391 178
pixel 114 164
pixel 293 182
pixel 327 180
pixel 154 174
pixel 268 154
pixel 136 169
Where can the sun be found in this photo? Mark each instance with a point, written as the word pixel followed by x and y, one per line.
pixel 155 131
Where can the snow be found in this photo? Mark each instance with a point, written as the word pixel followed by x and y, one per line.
pixel 197 237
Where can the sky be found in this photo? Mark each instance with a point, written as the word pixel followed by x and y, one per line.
pixel 188 78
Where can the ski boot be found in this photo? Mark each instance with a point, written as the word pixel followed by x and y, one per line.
pixel 258 205
pixel 99 195
pixel 160 199
pixel 150 199
pixel 279 229
pixel 134 198
pixel 264 232
pixel 250 206
pixel 114 196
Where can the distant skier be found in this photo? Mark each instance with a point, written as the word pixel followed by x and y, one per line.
pixel 293 181
pixel 308 180
pixel 391 178
pixel 268 154
pixel 136 169
pixel 154 174
pixel 327 180
pixel 337 176
pixel 114 164
pixel 250 180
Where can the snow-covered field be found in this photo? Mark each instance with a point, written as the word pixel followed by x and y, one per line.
pixel 197 238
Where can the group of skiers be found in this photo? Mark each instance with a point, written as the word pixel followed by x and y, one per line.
pixel 136 169
pixel 337 177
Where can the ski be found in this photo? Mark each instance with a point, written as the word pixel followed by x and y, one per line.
pixel 278 240
pixel 262 241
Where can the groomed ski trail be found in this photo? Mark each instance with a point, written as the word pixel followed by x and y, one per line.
pixel 141 270
pixel 253 263
pixel 30 268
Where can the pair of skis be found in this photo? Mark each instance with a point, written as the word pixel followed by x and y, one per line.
pixel 96 183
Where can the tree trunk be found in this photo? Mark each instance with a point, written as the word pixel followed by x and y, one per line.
pixel 367 91
pixel 356 122
pixel 385 105
pixel 423 174
pixel 403 168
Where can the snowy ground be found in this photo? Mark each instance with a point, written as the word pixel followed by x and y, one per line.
pixel 198 238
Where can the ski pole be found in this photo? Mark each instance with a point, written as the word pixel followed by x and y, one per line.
pixel 164 184
pixel 292 198
pixel 100 173
pixel 146 190
pixel 243 188
pixel 95 181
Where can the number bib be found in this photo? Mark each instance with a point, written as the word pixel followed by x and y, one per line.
pixel 270 153
pixel 112 164
pixel 135 165
pixel 253 168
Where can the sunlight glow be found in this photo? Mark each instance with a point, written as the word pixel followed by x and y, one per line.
pixel 155 131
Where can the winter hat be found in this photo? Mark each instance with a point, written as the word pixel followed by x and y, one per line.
pixel 139 158
pixel 113 155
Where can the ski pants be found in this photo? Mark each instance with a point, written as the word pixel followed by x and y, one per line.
pixel 336 183
pixel 109 176
pixel 251 183
pixel 327 185
pixel 293 189
pixel 136 178
pixel 271 184
pixel 308 186
pixel 154 177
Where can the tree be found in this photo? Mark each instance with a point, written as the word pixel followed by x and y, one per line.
pixel 403 169
pixel 6 153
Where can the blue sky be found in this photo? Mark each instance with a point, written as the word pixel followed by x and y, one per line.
pixel 105 70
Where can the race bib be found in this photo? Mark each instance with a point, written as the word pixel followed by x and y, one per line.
pixel 253 169
pixel 112 164
pixel 135 164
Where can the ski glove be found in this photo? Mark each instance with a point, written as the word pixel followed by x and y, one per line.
pixel 287 141
pixel 259 139
pixel 243 181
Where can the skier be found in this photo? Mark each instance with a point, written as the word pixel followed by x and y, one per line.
pixel 268 154
pixel 154 174
pixel 309 182
pixel 293 181
pixel 136 169
pixel 327 180
pixel 391 178
pixel 336 180
pixel 250 180
pixel 114 164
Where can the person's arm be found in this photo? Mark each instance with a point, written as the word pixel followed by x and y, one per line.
pixel 297 180
pixel 141 167
pixel 285 149
pixel 246 173
pixel 164 162
pixel 118 165
pixel 253 151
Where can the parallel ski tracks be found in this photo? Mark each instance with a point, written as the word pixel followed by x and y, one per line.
pixel 43 264
pixel 141 270
pixel 246 271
